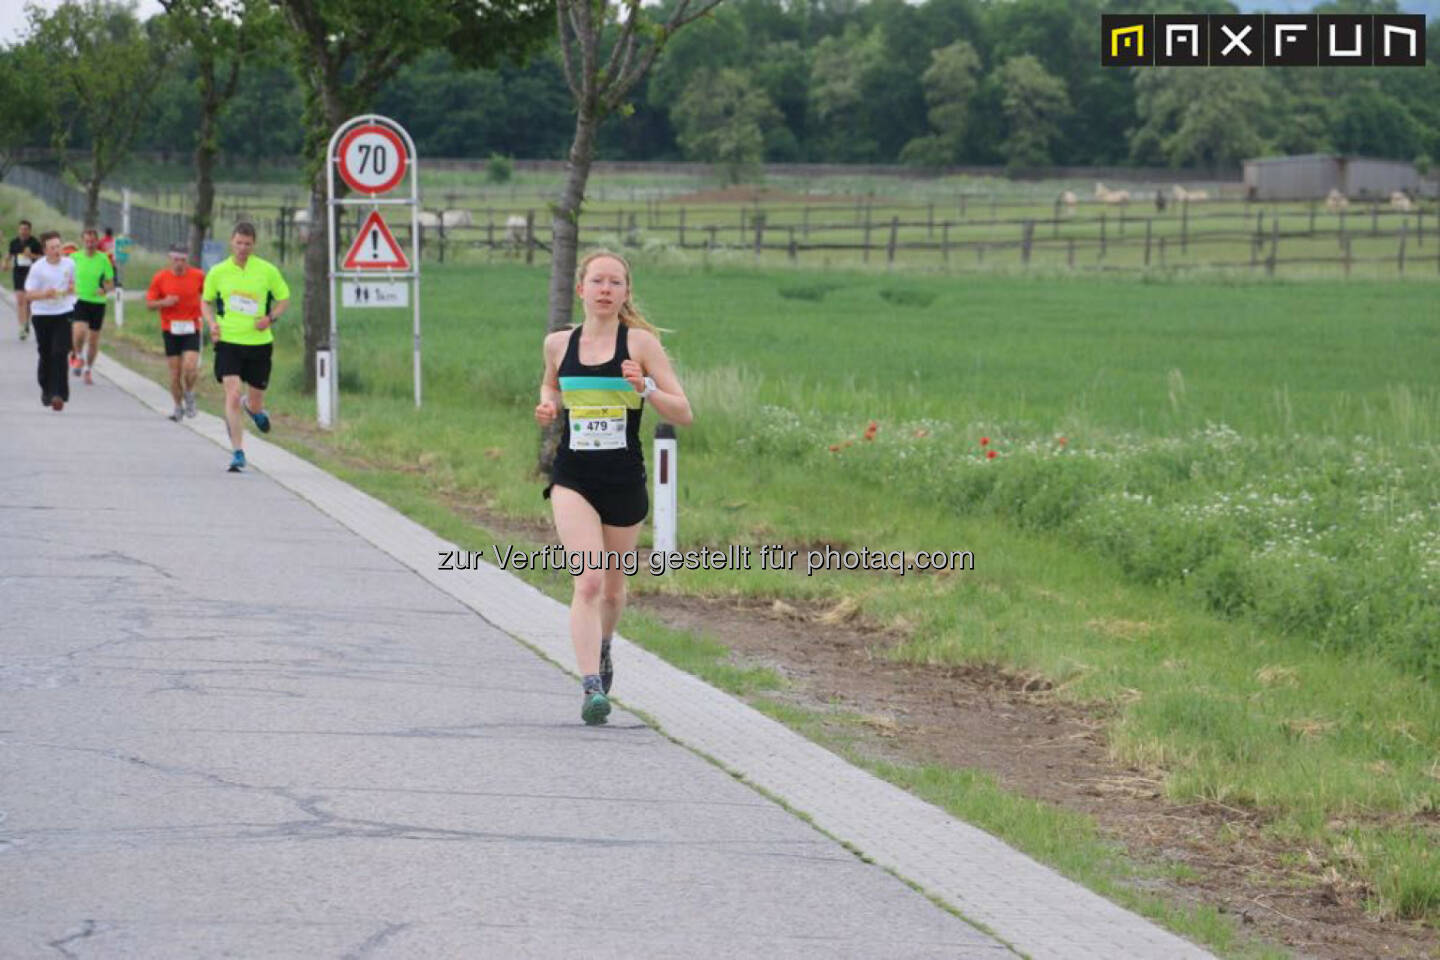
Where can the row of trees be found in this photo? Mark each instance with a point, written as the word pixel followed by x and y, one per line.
pixel 931 83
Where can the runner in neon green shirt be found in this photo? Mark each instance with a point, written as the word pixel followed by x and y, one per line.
pixel 94 282
pixel 243 296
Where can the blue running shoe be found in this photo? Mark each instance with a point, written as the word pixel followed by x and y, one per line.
pixel 596 708
pixel 262 419
pixel 237 461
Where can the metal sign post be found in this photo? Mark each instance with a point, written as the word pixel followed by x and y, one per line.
pixel 373 155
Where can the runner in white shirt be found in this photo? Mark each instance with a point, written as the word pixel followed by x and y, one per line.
pixel 50 294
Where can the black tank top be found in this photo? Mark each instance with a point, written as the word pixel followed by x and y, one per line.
pixel 597 401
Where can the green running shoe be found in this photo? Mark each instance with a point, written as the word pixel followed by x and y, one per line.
pixel 596 708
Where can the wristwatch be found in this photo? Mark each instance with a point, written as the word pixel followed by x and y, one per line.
pixel 649 388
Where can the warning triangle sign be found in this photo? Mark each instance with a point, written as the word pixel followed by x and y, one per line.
pixel 375 247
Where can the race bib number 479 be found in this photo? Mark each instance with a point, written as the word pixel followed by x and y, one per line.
pixel 597 428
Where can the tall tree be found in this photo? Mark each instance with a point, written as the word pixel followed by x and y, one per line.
pixel 599 84
pixel 722 118
pixel 101 67
pixel 1035 104
pixel 837 94
pixel 950 82
pixel 346 51
pixel 1210 119
pixel 21 116
pixel 221 35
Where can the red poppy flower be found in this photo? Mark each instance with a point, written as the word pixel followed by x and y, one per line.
pixel 834 448
pixel 871 430
pixel 984 441
pixel 1061 440
pixel 990 454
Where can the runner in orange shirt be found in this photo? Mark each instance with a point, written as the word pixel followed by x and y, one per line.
pixel 175 292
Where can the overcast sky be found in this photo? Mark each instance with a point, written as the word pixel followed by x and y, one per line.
pixel 13 20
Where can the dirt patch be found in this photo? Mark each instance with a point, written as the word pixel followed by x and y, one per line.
pixel 752 195
pixel 1015 728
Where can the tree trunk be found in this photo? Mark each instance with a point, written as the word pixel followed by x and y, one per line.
pixel 325 115
pixel 317 279
pixel 563 255
pixel 204 179
pixel 92 201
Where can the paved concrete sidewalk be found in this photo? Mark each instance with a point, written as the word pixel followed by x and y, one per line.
pixel 231 727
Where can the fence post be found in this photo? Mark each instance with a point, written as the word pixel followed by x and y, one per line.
pixel 490 232
pixel 1312 218
pixel 682 228
pixel 440 229
pixel 792 245
pixel 529 237
pixel 1404 224
pixel 1274 246
pixel 1341 237
pixel 867 234
pixel 759 220
pixel 1027 235
pixel 945 242
pixel 1162 253
pixel 890 252
pixel 1147 241
pixel 1102 238
pixel 930 222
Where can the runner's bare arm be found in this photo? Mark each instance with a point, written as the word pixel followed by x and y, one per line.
pixel 549 406
pixel 669 398
pixel 207 310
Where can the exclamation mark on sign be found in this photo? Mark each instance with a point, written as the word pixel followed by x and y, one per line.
pixel 375 243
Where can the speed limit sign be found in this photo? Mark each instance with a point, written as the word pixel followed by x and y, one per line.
pixel 372 155
pixel 372 159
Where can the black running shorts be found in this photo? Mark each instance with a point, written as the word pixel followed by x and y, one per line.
pixel 90 313
pixel 178 343
pixel 248 361
pixel 618 506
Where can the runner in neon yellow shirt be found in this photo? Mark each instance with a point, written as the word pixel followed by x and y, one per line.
pixel 242 298
pixel 94 282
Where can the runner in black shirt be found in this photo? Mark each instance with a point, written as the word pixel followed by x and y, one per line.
pixel 23 251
